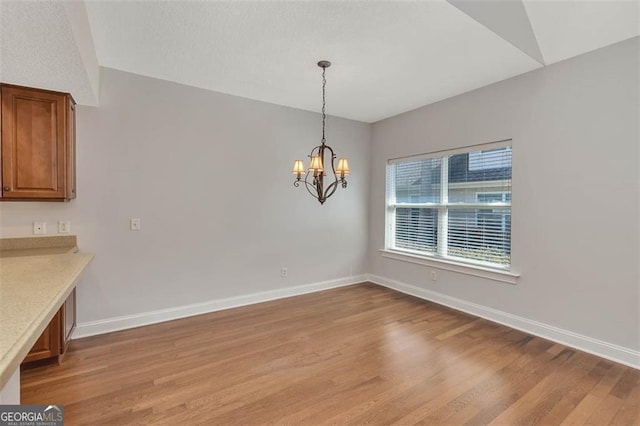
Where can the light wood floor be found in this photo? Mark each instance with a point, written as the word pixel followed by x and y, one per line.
pixel 354 355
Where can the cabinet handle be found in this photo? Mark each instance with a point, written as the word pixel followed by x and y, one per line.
pixel 6 188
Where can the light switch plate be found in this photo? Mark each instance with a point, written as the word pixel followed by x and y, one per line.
pixel 64 226
pixel 135 224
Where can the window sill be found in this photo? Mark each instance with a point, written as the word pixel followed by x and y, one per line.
pixel 463 268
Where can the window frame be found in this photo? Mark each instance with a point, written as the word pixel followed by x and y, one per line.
pixel 443 208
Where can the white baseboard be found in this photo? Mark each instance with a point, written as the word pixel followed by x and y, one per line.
pixel 108 325
pixel 593 346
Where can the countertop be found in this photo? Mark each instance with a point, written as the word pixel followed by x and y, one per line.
pixel 34 282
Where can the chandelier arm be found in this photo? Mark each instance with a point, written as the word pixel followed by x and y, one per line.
pixel 331 189
pixel 333 161
pixel 308 185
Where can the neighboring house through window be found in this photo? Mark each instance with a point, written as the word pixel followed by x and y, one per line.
pixel 454 205
pixel 491 216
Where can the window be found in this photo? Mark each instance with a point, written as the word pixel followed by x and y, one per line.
pixel 455 206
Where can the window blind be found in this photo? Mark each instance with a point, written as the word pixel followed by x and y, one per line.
pixel 454 206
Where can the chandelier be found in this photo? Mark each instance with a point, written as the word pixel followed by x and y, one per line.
pixel 315 178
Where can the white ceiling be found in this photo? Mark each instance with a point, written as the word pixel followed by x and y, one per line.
pixel 388 56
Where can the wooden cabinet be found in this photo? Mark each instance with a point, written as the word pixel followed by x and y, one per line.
pixel 38 144
pixel 55 339
pixel 48 345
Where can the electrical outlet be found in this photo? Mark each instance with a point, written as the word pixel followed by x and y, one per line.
pixel 64 226
pixel 39 228
pixel 136 224
pixel 434 275
pixel 283 272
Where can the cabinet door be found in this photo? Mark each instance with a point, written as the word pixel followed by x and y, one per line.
pixel 71 150
pixel 34 143
pixel 48 345
pixel 68 321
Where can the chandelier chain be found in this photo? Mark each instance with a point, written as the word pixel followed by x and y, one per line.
pixel 324 116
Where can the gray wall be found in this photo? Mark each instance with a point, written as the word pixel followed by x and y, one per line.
pixel 210 177
pixel 575 206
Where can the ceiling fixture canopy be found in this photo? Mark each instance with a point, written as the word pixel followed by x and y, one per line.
pixel 314 177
